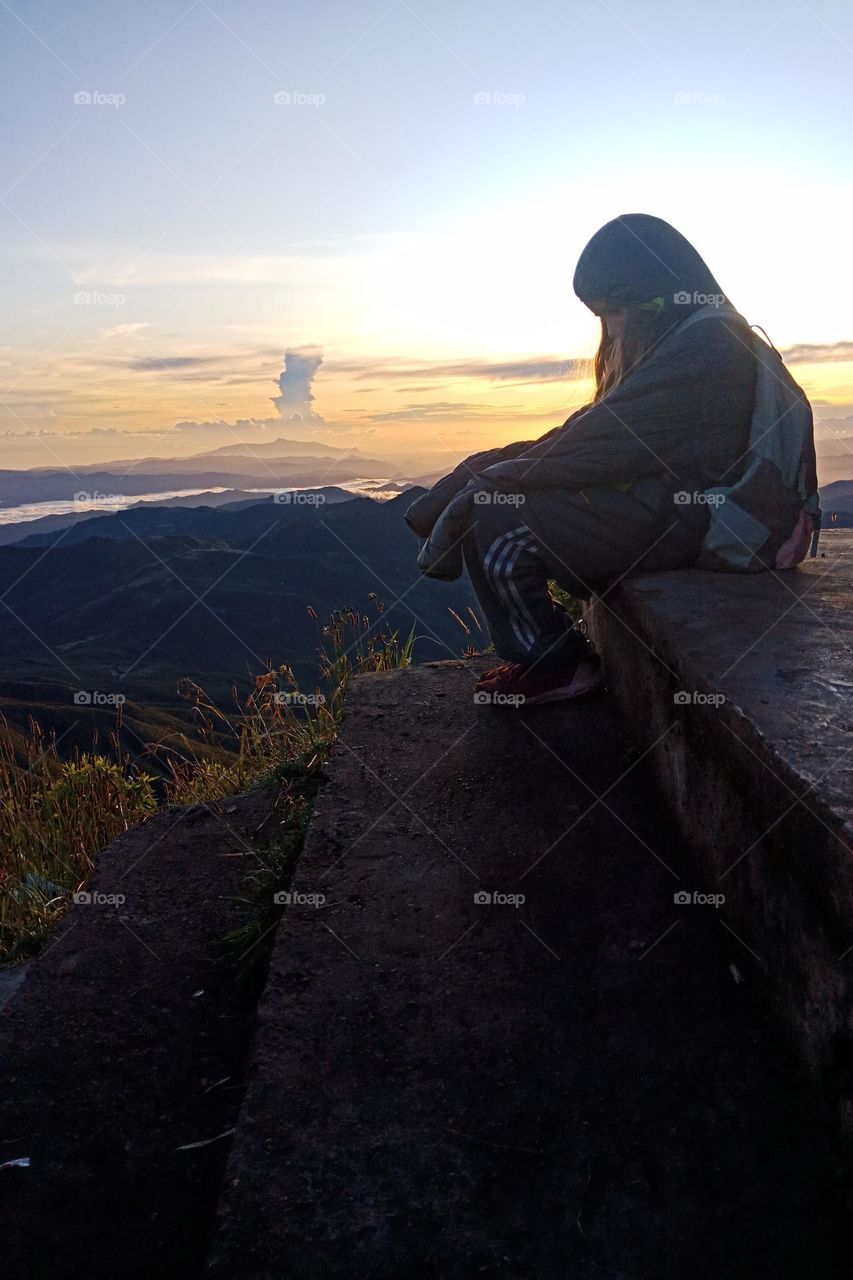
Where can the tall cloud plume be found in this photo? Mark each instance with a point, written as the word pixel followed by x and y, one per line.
pixel 295 404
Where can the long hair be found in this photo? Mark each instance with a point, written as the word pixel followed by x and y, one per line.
pixel 618 355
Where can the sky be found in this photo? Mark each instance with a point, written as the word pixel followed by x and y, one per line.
pixel 394 196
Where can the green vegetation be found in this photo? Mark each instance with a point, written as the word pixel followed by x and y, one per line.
pixel 54 817
pixel 57 814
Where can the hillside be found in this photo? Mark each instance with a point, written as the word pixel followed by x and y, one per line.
pixel 213 595
pixel 149 519
pixel 838 497
pixel 19 530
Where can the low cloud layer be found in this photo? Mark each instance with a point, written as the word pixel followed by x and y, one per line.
pixel 534 369
pixel 439 410
pixel 168 364
pixel 816 353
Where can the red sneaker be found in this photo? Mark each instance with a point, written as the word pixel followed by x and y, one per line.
pixel 512 684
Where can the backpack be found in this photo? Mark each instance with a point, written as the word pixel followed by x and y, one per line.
pixel 770 516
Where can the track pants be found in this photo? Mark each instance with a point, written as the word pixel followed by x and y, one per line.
pixel 581 540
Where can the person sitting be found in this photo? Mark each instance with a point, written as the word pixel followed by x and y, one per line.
pixel 619 486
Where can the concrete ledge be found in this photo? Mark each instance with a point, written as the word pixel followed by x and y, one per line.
pixel 119 1048
pixel 741 692
pixel 489 1050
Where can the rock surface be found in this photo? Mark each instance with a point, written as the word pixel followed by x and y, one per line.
pixel 585 1083
pixel 123 1045
pixel 741 691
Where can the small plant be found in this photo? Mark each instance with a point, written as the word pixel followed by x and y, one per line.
pixel 280 731
pixel 54 817
pixel 246 950
pixel 285 737
pixel 57 814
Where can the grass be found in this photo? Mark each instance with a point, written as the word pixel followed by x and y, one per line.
pixel 55 814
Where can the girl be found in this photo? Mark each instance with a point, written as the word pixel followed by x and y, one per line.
pixel 619 486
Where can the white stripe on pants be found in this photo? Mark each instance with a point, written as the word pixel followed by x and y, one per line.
pixel 498 565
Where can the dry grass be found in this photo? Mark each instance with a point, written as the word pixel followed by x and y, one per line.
pixel 55 814
pixel 54 817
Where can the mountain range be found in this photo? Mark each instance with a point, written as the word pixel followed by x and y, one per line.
pixel 277 463
pixel 131 603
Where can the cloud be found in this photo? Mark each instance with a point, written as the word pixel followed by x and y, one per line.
pixel 42 433
pixel 303 263
pixel 437 410
pixel 125 330
pixel 818 353
pixel 533 369
pixel 166 364
pixel 295 403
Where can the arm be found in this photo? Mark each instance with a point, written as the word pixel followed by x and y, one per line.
pixel 649 425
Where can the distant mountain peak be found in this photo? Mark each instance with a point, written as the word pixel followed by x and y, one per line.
pixel 279 448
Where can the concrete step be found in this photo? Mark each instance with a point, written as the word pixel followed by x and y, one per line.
pixel 491 1042
pixel 741 691
pixel 121 1050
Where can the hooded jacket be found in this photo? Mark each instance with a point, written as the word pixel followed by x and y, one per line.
pixel 637 259
pixel 679 421
pixel 683 414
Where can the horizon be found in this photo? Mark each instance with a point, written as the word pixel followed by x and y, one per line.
pixel 174 231
pixel 425 729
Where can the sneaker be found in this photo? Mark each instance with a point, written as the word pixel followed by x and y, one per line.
pixel 576 680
